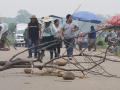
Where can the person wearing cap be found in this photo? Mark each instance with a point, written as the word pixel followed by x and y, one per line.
pixel 33 35
pixel 69 35
pixel 48 34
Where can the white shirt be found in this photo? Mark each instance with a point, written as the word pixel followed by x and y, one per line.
pixel 68 31
pixel 49 31
pixel 57 31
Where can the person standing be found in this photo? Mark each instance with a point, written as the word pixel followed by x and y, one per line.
pixel 69 34
pixel 92 39
pixel 80 39
pixel 33 35
pixel 58 37
pixel 48 35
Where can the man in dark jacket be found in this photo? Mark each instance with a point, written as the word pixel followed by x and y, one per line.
pixel 92 39
pixel 33 35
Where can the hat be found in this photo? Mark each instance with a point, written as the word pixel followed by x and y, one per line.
pixel 33 16
pixel 47 19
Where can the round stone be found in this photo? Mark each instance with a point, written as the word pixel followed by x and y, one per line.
pixel 28 71
pixel 61 62
pixel 68 76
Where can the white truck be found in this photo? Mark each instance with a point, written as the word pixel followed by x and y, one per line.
pixel 19 37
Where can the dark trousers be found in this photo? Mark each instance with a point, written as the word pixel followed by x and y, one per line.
pixel 51 48
pixel 57 47
pixel 57 50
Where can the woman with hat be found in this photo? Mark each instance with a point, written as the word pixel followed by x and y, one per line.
pixel 33 35
pixel 48 34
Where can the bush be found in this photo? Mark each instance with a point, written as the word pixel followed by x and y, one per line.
pixel 117 51
pixel 100 43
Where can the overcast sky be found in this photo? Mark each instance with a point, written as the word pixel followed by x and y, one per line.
pixel 41 8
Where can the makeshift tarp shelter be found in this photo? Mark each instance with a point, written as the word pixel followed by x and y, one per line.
pixel 86 17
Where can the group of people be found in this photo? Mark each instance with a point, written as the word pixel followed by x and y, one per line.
pixel 111 36
pixel 113 40
pixel 52 31
pixel 91 39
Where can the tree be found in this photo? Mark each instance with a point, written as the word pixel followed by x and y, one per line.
pixel 23 16
pixel 11 27
pixel 9 20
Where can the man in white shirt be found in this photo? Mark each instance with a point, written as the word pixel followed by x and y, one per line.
pixel 69 34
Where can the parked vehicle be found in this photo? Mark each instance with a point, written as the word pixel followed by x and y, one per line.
pixel 19 37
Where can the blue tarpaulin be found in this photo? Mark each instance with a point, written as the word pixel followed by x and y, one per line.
pixel 86 16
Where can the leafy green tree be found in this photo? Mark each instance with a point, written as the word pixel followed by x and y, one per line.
pixel 23 16
pixel 11 27
pixel 9 20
